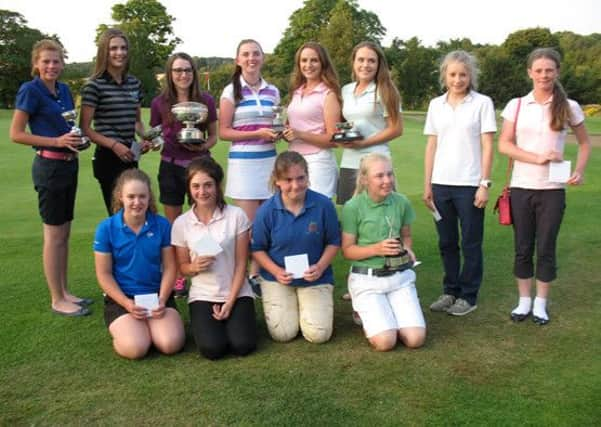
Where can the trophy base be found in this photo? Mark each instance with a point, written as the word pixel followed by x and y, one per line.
pixel 341 137
pixel 83 146
pixel 193 141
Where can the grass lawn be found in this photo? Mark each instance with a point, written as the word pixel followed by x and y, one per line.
pixel 477 370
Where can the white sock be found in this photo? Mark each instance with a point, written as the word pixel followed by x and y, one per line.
pixel 523 306
pixel 540 308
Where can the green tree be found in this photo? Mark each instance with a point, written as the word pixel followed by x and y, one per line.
pixel 581 66
pixel 149 29
pixel 323 21
pixel 338 38
pixel 16 41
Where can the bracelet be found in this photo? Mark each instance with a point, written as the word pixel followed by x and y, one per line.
pixel 113 146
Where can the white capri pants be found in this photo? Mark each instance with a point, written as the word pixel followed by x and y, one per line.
pixel 323 172
pixel 386 303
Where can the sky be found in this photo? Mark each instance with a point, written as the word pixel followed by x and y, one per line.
pixel 214 28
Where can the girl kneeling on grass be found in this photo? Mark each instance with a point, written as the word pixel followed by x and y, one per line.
pixel 134 256
pixel 376 237
pixel 211 243
pixel 296 221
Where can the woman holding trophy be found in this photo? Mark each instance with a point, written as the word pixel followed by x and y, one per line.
pixel 246 119
pixel 313 113
pixel 41 104
pixel 181 85
pixel 111 98
pixel 373 104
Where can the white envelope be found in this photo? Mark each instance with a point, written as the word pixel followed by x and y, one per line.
pixel 560 171
pixel 296 265
pixel 207 246
pixel 148 301
pixel 136 149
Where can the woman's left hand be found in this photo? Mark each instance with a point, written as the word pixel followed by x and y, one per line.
pixel 313 273
pixel 158 312
pixel 145 146
pixel 481 197
pixel 351 144
pixel 222 312
pixel 576 179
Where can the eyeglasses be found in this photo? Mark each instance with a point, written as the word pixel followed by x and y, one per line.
pixel 182 70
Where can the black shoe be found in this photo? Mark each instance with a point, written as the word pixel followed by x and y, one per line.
pixel 519 317
pixel 539 320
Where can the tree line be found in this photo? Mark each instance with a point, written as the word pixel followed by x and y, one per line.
pixel 338 25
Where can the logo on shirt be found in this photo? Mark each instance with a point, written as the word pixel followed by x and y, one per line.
pixel 149 234
pixel 135 95
pixel 312 227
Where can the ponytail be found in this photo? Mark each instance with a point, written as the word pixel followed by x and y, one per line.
pixel 236 83
pixel 560 109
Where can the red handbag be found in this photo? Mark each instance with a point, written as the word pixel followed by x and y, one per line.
pixel 503 205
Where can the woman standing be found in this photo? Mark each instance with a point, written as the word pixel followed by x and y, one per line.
pixel 533 135
pixel 39 105
pixel 313 113
pixel 296 221
pixel 372 103
pixel 134 256
pixel 181 86
pixel 211 242
pixel 376 237
pixel 111 98
pixel 460 126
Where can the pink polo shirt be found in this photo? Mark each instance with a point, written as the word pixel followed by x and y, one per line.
pixel 215 284
pixel 536 136
pixel 306 113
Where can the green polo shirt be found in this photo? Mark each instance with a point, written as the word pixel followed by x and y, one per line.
pixel 369 221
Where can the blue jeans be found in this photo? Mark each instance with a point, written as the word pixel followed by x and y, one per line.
pixel 456 206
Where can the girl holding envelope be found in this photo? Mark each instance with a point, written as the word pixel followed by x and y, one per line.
pixel 533 135
pixel 211 244
pixel 296 226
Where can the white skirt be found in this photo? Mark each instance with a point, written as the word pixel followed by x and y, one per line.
pixel 248 179
pixel 323 172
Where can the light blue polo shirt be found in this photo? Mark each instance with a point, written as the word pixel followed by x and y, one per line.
pixel 45 109
pixel 137 266
pixel 278 232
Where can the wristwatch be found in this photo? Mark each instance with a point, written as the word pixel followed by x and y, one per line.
pixel 486 183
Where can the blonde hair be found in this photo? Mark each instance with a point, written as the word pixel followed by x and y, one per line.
pixel 283 162
pixel 126 176
pixel 42 45
pixel 364 166
pixel 102 54
pixel 469 62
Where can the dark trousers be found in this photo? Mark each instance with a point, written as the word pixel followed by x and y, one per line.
pixel 214 338
pixel 537 216
pixel 456 206
pixel 107 168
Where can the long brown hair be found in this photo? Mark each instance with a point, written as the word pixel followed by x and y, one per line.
pixel 283 162
pixel 102 54
pixel 127 175
pixel 37 49
pixel 169 93
pixel 328 73
pixel 209 166
pixel 384 85
pixel 235 79
pixel 560 109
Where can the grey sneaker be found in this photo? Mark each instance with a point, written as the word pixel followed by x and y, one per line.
pixel 461 308
pixel 443 303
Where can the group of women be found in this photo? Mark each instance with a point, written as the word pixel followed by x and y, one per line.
pixel 282 214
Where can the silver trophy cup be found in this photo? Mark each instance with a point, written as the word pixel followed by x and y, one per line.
pixel 155 135
pixel 70 116
pixel 190 113
pixel 346 132
pixel 278 122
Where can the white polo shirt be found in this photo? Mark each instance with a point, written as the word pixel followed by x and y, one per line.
pixel 215 284
pixel 458 157
pixel 536 136
pixel 368 113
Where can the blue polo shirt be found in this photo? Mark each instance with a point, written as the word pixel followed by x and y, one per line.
pixel 137 264
pixel 278 232
pixel 45 109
